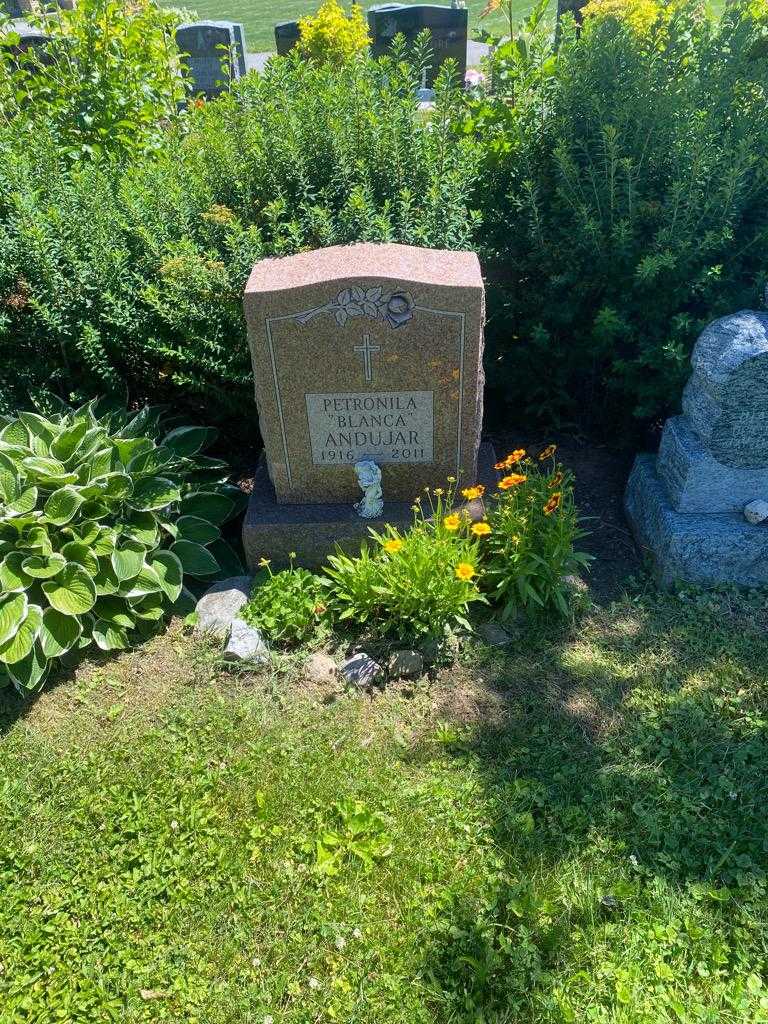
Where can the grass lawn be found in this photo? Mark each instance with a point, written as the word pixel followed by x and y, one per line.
pixel 261 16
pixel 575 832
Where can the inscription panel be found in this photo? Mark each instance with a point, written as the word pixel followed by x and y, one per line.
pixel 386 426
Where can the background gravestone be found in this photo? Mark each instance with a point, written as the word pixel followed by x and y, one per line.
pixel 213 53
pixel 33 46
pixel 287 36
pixel 447 26
pixel 12 8
pixel 360 352
pixel 686 506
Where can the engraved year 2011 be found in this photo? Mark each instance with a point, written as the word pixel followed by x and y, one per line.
pixel 395 455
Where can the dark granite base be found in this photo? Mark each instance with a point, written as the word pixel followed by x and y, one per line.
pixel 313 531
pixel 692 548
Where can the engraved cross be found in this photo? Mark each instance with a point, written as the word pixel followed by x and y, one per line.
pixel 366 350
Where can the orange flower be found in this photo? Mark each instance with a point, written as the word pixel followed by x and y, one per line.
pixel 465 571
pixel 548 452
pixel 553 503
pixel 556 480
pixel 452 522
pixel 481 529
pixel 513 480
pixel 470 493
pixel 393 545
pixel 319 609
pixel 510 460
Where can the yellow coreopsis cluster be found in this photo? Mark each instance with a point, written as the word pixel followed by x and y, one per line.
pixel 639 15
pixel 333 36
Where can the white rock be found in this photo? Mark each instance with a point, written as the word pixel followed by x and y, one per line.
pixel 493 634
pixel 361 670
pixel 246 644
pixel 220 604
pixel 756 511
pixel 320 669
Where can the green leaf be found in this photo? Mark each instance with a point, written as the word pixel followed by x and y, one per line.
pixel 43 567
pixel 49 472
pixel 228 559
pixel 109 637
pixel 187 441
pixel 22 641
pixel 195 529
pixel 15 433
pixel 23 504
pixel 105 543
pixel 13 611
pixel 169 571
pixel 83 554
pixel 128 559
pixel 12 576
pixel 107 582
pixel 151 608
pixel 128 448
pixel 112 485
pixel 62 505
pixel 86 531
pixel 141 527
pixel 215 508
pixel 195 559
pixel 29 674
pixel 114 610
pixel 72 592
pixel 153 492
pixel 146 582
pixel 150 461
pixel 69 440
pixel 58 633
pixel 36 539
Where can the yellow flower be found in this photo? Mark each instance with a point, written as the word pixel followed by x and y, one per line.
pixel 291 554
pixel 470 493
pixel 481 529
pixel 513 480
pixel 548 452
pixel 393 545
pixel 465 571
pixel 264 562
pixel 553 503
pixel 452 522
pixel 451 479
pixel 438 491
pixel 556 480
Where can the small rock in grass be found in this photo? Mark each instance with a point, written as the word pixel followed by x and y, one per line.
pixel 220 604
pixel 320 669
pixel 493 634
pixel 575 584
pixel 405 664
pixel 756 511
pixel 246 644
pixel 361 670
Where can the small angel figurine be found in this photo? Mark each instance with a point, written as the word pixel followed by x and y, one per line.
pixel 371 504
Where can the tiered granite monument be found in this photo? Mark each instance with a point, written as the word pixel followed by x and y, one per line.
pixel 699 506
pixel 447 27
pixel 213 55
pixel 369 384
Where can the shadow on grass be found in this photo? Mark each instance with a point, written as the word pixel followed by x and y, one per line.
pixel 639 747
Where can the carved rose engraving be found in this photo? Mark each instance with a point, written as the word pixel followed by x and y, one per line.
pixel 396 308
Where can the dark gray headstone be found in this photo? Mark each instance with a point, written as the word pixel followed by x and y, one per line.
pixel 32 47
pixel 12 8
pixel 286 36
pixel 447 27
pixel 213 53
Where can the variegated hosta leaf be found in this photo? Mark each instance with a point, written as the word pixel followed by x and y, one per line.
pixel 72 592
pixel 149 462
pixel 83 554
pixel 22 504
pixel 152 493
pixel 188 441
pixel 147 581
pixel 198 530
pixel 208 505
pixel 12 576
pixel 195 559
pixel 127 559
pixel 109 637
pixel 114 610
pixel 21 643
pixel 62 505
pixel 141 527
pixel 13 611
pixel 59 633
pixel 169 571
pixel 47 472
pixel 43 567
pixel 29 673
pixel 69 440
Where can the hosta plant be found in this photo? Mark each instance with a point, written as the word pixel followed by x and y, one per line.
pixel 103 516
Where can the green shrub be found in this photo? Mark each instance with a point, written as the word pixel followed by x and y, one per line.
pixel 333 35
pixel 530 545
pixel 415 584
pixel 102 517
pixel 133 276
pixel 287 605
pixel 624 190
pixel 109 81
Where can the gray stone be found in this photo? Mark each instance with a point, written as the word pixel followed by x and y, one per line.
pixel 726 399
pixel 493 634
pixel 447 27
pixel 321 669
pixel 694 548
pixel 695 481
pixel 756 511
pixel 362 671
pixel 405 664
pixel 213 54
pixel 246 644
pixel 220 604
